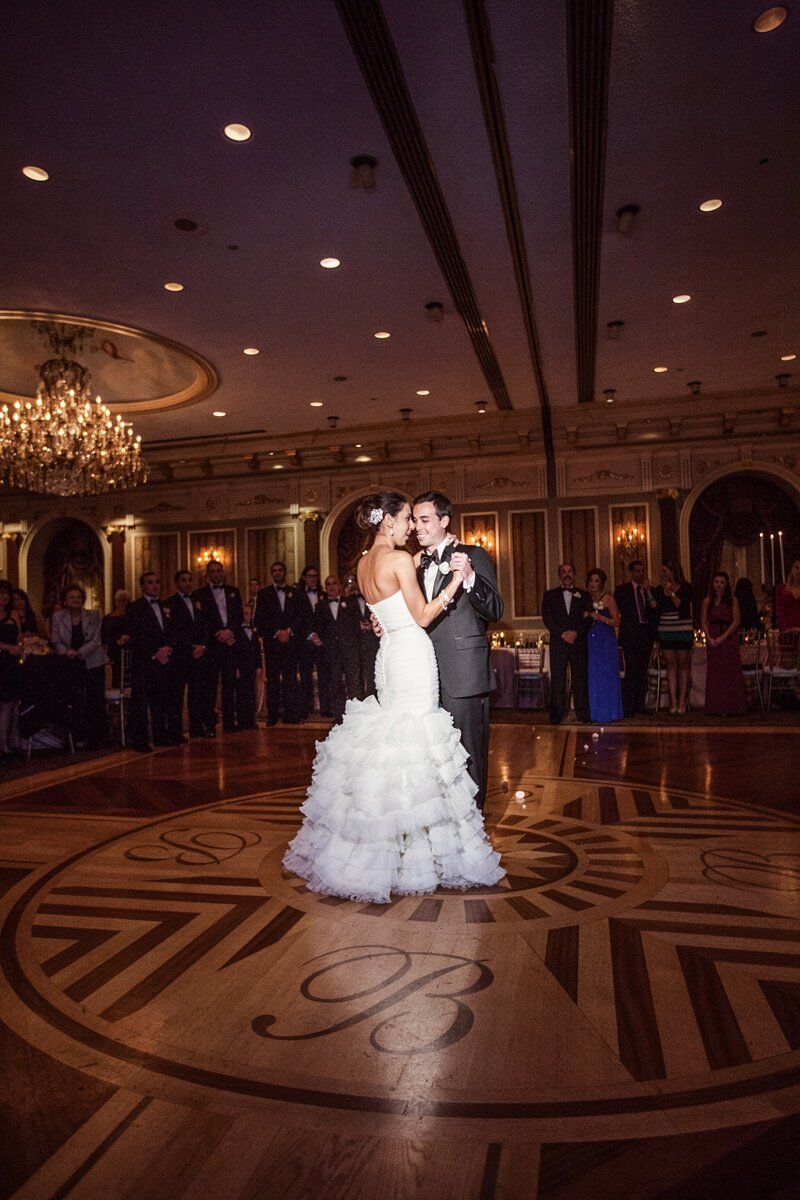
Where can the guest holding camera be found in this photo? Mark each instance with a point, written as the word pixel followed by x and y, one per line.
pixel 76 635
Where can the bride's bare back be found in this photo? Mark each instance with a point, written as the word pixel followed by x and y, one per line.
pixel 377 572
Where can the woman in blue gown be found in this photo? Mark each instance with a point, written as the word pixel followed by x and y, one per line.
pixel 605 694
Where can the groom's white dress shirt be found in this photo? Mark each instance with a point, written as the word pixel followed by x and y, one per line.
pixel 431 571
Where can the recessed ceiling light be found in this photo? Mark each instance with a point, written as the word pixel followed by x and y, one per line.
pixel 315 403
pixel 770 19
pixel 660 370
pixel 277 466
pixel 174 287
pixel 424 392
pixel 358 445
pixel 219 413
pixel 251 350
pixel 788 357
pixel 363 458
pixel 237 133
pixel 329 264
pixel 710 205
pixel 382 335
pixel 683 299
pixel 520 795
pixel 37 173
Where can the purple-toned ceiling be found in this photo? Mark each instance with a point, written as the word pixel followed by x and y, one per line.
pixel 124 105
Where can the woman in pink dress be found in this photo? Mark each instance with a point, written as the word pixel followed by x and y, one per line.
pixel 726 694
pixel 787 601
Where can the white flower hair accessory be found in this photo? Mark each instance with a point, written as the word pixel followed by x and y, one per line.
pixel 376 516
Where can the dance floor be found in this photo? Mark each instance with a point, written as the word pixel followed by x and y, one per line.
pixel 620 1016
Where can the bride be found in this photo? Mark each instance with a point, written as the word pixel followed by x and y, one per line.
pixel 391 807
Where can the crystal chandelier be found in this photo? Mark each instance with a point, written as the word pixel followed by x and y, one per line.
pixel 64 443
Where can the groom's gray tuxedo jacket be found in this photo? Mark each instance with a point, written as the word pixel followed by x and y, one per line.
pixel 459 635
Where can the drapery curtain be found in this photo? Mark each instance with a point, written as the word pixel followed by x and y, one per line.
pixel 737 509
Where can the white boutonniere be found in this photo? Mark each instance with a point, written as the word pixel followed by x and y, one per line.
pixel 197 605
pixel 166 611
pixel 343 604
pixel 444 567
pixel 576 595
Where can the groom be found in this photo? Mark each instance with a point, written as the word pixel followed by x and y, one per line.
pixel 459 634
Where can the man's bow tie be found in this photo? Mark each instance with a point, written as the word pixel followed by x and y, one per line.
pixel 278 588
pixel 218 587
pixel 429 557
pixel 311 591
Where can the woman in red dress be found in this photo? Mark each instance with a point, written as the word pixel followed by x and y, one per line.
pixel 787 601
pixel 726 694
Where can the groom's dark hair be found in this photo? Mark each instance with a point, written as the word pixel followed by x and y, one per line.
pixel 439 501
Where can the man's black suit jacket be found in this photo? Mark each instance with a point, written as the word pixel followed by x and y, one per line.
pixel 204 597
pixel 629 613
pixel 187 630
pixel 558 620
pixel 147 636
pixel 344 630
pixel 269 617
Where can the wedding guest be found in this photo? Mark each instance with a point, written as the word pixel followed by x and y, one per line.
pixel 221 606
pixel 675 632
pixel 748 605
pixel 565 612
pixel 605 693
pixel 190 671
pixel 720 616
pixel 113 635
pixel 151 675
pixel 76 635
pixel 368 642
pixel 787 601
pixel 336 624
pixel 279 622
pixel 637 631
pixel 253 588
pixel 29 623
pixel 10 674
pixel 309 648
pixel 249 670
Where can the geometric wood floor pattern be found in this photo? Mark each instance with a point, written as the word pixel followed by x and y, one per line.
pixel 619 1015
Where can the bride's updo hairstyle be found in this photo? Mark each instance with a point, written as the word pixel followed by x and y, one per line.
pixel 373 509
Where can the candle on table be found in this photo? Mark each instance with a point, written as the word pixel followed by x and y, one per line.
pixel 783 564
pixel 772 552
pixel 763 576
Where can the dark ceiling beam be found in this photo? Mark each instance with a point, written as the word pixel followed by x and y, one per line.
pixel 480 36
pixel 589 24
pixel 374 48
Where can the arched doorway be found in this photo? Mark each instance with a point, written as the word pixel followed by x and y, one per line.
pixel 341 541
pixel 726 520
pixel 61 552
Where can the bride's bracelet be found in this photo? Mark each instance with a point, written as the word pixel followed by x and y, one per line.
pixel 444 600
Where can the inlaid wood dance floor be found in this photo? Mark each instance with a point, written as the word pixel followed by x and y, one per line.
pixel 619 1017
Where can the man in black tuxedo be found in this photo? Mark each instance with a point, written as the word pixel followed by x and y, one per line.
pixel 279 622
pixel 152 687
pixel 368 642
pixel 221 608
pixel 309 650
pixel 247 675
pixel 637 631
pixel 190 660
pixel 566 612
pixel 336 625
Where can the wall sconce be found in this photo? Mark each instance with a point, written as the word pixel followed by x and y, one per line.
pixel 610 394
pixel 363 175
pixel 483 538
pixel 210 554
pixel 434 312
pixel 629 539
pixel 626 217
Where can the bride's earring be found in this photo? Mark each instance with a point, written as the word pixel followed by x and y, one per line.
pixel 390 531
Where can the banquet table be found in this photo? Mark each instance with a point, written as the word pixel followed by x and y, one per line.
pixel 504 661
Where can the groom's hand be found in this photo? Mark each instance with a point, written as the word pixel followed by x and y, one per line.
pixel 462 564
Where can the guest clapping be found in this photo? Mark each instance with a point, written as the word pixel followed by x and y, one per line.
pixel 605 693
pixel 76 635
pixel 675 632
pixel 726 694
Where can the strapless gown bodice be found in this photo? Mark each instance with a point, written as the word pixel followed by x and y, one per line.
pixel 391 807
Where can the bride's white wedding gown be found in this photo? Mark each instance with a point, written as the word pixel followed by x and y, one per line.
pixel 391 807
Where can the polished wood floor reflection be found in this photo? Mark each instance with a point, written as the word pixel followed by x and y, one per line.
pixel 621 1015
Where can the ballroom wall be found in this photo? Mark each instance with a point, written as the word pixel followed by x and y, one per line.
pixel 254 515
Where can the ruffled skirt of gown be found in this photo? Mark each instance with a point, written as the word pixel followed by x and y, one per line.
pixel 391 809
